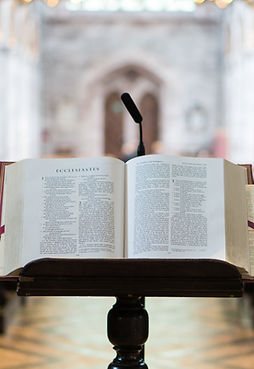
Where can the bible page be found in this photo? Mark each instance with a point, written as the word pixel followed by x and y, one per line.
pixel 73 208
pixel 175 207
pixel 11 243
pixel 236 215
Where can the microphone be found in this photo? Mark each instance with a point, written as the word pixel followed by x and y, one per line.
pixel 137 117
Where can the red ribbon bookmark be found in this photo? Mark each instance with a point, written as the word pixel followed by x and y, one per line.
pixel 250 224
pixel 2 229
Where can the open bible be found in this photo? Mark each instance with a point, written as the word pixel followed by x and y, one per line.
pixel 153 206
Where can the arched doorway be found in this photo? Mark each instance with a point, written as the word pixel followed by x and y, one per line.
pixel 149 108
pixel 113 125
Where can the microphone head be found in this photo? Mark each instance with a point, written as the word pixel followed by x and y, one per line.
pixel 131 107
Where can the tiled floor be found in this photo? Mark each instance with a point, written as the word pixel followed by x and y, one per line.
pixel 70 333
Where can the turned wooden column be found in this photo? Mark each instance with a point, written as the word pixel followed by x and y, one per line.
pixel 128 332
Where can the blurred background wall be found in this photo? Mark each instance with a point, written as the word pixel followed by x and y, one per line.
pixel 63 68
pixel 20 122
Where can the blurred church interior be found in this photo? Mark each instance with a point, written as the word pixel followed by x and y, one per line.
pixel 64 65
pixel 190 69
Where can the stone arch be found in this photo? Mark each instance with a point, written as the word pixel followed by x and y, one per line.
pixel 124 60
pixel 144 88
pixel 109 76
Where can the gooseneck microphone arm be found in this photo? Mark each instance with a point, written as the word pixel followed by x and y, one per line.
pixel 137 117
pixel 141 147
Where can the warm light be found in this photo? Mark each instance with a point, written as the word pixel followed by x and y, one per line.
pixel 27 1
pixel 52 3
pixel 221 3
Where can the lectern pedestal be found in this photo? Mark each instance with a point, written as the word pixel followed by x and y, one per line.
pixel 130 280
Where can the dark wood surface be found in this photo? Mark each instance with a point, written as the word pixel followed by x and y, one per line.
pixel 122 277
pixel 129 280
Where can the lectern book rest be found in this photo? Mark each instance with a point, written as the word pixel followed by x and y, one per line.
pixel 153 206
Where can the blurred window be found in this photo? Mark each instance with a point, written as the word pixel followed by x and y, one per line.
pixel 131 5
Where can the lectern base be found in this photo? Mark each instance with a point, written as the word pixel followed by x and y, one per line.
pixel 128 332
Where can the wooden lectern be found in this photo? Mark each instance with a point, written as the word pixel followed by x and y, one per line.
pixel 130 280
